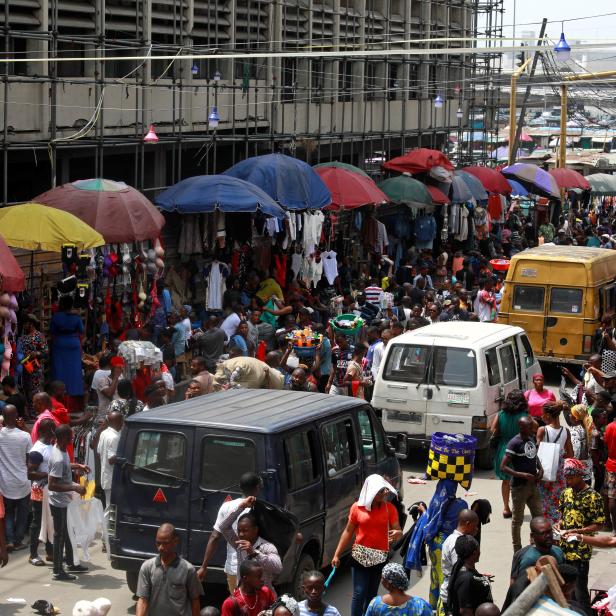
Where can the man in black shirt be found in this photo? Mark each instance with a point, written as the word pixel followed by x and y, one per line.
pixel 13 397
pixel 466 276
pixel 521 462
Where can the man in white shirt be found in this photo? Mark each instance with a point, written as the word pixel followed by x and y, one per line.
pixel 468 523
pixel 231 323
pixel 105 384
pixel 379 352
pixel 14 483
pixel 107 448
pixel 250 484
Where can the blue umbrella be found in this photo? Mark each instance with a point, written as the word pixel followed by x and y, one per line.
pixel 517 188
pixel 289 181
pixel 460 192
pixel 206 193
pixel 474 185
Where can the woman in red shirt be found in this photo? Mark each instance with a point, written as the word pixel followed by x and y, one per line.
pixel 374 523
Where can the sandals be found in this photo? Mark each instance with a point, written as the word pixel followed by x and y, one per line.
pixel 37 562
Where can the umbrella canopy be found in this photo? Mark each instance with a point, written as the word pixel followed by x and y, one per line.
pixel 460 192
pixel 405 189
pixel 33 226
pixel 438 196
pixel 491 179
pixel 335 163
pixel 517 188
pixel 12 278
pixel 535 179
pixel 119 212
pixel 350 190
pixel 418 161
pixel 291 182
pixel 476 188
pixel 602 184
pixel 568 179
pixel 206 193
pixel 524 136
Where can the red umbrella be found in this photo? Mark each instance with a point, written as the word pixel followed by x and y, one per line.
pixel 12 278
pixel 418 161
pixel 117 211
pixel 438 196
pixel 568 178
pixel 492 180
pixel 350 190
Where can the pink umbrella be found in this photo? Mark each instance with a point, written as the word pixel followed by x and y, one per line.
pixel 117 211
pixel 568 179
pixel 12 278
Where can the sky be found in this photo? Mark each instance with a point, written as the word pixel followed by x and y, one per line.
pixel 557 10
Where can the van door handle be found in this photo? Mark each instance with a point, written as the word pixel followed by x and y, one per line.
pixel 550 321
pixel 453 421
pixel 397 387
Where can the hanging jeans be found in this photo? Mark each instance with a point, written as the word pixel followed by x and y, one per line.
pixel 366 582
pixel 35 530
pixel 61 542
pixel 16 519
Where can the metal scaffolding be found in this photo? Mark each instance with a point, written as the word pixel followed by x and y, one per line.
pixel 63 121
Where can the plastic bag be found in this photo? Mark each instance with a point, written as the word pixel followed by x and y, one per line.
pixel 549 456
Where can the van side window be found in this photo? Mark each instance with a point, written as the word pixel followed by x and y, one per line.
pixel 494 376
pixel 224 459
pixel 161 452
pixel 371 437
pixel 528 298
pixel 529 360
pixel 609 293
pixel 508 363
pixel 568 301
pixel 339 445
pixel 299 451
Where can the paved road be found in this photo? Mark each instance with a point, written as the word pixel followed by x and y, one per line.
pixel 20 579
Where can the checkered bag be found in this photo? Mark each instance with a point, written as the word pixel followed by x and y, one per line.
pixel 452 456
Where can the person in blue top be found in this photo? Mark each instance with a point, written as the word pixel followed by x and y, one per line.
pixel 240 340
pixel 431 530
pixel 66 330
pixel 396 600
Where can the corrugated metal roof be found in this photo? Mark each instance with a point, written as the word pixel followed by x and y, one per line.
pixel 257 410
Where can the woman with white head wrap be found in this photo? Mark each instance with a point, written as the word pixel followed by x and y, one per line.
pixel 396 602
pixel 373 521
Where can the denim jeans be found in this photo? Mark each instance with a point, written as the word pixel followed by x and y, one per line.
pixel 366 582
pixel 581 594
pixel 61 541
pixel 16 518
pixel 35 530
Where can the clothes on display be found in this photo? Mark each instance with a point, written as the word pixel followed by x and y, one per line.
pixel 330 266
pixel 215 274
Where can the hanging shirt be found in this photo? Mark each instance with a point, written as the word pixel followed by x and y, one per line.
pixel 330 266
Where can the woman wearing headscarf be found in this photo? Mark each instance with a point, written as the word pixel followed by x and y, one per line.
pixel 468 589
pixel 483 509
pixel 504 428
pixel 373 521
pixel 396 601
pixel 199 386
pixel 580 427
pixel 431 529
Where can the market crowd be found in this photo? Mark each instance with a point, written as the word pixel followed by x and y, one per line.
pixel 326 331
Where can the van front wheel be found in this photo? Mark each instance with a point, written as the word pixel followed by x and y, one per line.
pixel 306 563
pixel 131 580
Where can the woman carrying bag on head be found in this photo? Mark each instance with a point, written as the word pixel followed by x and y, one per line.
pixel 373 521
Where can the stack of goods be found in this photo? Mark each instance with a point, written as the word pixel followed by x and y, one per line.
pixel 452 456
pixel 305 342
pixel 350 325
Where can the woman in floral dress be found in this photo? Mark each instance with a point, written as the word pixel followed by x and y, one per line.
pixel 32 345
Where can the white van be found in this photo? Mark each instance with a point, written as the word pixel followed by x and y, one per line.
pixel 451 377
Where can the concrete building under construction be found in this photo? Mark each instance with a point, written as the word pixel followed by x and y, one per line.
pixel 86 116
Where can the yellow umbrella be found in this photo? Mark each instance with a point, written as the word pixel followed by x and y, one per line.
pixel 33 226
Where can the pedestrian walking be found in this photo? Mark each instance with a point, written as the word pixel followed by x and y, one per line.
pixel 522 465
pixel 373 523
pixel 60 487
pixel 168 584
pixel 15 487
pixel 106 449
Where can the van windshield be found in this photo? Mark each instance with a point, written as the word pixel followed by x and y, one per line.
pixel 450 366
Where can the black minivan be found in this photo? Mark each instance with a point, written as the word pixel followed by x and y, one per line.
pixel 180 462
